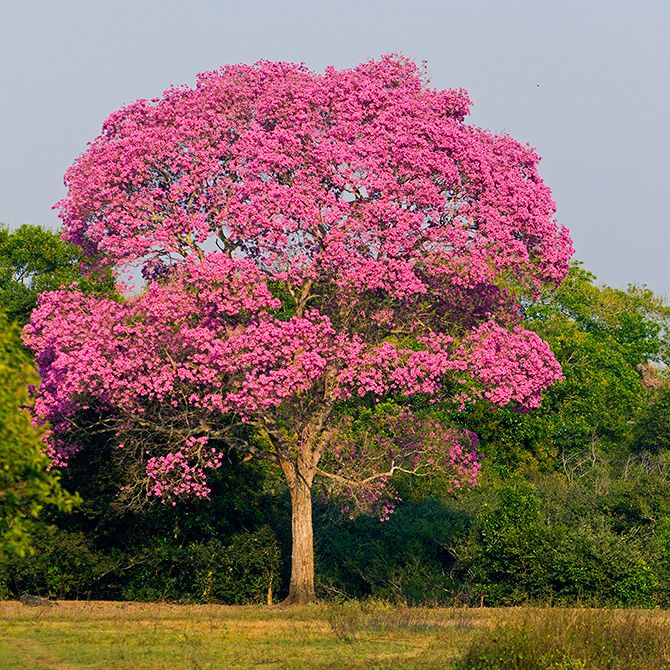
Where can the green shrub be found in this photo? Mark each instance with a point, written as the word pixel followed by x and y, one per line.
pixel 63 565
pixel 598 567
pixel 245 571
pixel 504 559
pixel 241 571
pixel 407 559
pixel 652 431
pixel 526 544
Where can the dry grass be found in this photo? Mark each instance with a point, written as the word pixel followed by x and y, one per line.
pixel 124 636
pixel 578 639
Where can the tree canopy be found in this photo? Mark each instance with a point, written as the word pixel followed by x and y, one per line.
pixel 34 260
pixel 312 244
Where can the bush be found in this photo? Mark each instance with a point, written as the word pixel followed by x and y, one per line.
pixel 598 567
pixel 245 570
pixel 652 431
pixel 213 550
pixel 526 544
pixel 504 559
pixel 63 565
pixel 407 559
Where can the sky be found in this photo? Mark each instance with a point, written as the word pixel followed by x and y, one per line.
pixel 586 83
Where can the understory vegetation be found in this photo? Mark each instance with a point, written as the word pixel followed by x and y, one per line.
pixel 572 505
pixel 602 539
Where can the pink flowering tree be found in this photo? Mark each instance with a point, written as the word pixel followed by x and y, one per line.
pixel 311 244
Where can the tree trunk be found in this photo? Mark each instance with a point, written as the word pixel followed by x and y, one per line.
pixel 301 589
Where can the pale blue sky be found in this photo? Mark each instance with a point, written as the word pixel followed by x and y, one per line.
pixel 599 116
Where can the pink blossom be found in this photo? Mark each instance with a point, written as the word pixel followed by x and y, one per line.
pixel 306 240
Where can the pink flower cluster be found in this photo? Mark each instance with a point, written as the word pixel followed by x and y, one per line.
pixel 175 474
pixel 305 238
pixel 366 175
pixel 511 366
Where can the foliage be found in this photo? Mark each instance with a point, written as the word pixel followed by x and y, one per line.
pixel 652 431
pixel 64 564
pixel 605 340
pixel 407 559
pixel 635 320
pixel 601 538
pixel 26 483
pixel 71 564
pixel 562 544
pixel 34 260
pixel 245 570
pixel 214 550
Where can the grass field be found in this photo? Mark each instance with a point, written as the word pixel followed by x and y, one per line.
pixel 125 636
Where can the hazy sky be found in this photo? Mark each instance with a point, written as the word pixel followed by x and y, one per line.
pixel 585 82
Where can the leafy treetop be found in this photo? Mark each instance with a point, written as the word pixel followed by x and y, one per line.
pixel 34 260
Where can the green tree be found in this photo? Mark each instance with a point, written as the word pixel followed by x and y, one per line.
pixel 26 483
pixel 634 321
pixel 555 541
pixel 34 259
pixel 605 340
pixel 652 431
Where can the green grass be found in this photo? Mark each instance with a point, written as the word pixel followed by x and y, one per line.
pixel 125 636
